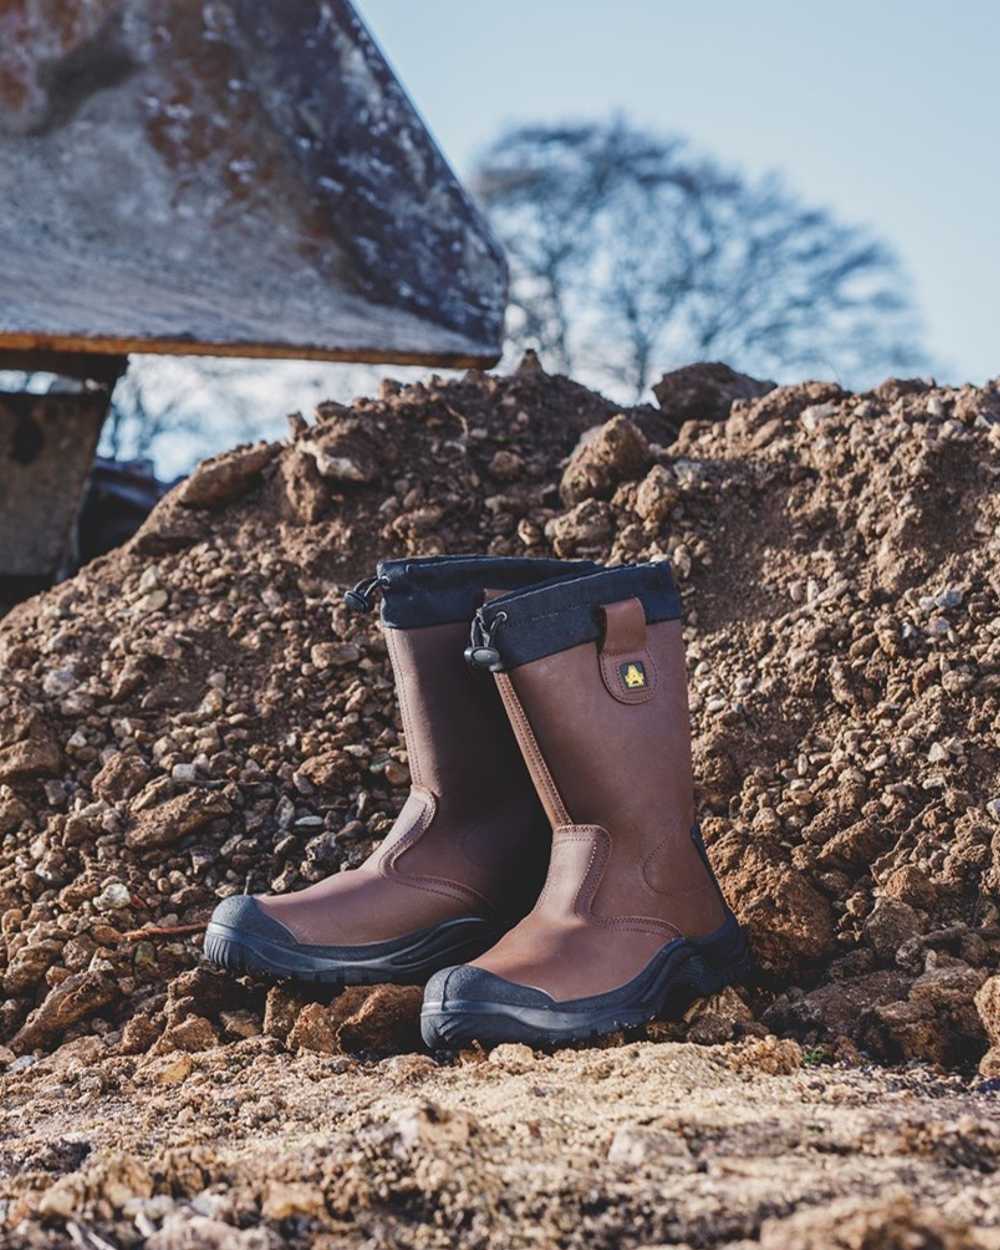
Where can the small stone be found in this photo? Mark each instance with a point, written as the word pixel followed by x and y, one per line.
pixel 73 999
pixel 428 1125
pixel 155 601
pixel 334 654
pixel 281 1010
pixel 770 1055
pixel 657 495
pixel 634 1144
pixel 241 1024
pixel 313 1031
pixel 172 1071
pixel 512 1057
pixel 192 1034
pixel 169 822
pixel 612 453
pixel 223 478
pixel 397 774
pixel 138 1035
pixel 34 757
pixel 113 896
pixel 185 774
pixel 387 1021
pixel 890 924
pixel 121 777
pixel 59 682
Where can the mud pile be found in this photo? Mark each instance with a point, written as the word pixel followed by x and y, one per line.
pixel 199 714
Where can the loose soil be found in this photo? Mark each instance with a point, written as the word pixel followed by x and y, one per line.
pixel 198 714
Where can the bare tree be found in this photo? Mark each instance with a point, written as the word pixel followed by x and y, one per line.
pixel 630 253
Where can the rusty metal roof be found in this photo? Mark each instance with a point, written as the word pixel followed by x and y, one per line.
pixel 234 177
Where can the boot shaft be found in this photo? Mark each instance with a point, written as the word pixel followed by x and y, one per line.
pixel 458 740
pixel 592 676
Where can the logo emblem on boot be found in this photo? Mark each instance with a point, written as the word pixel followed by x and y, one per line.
pixel 633 675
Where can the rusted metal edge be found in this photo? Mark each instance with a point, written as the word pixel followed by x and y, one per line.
pixel 13 343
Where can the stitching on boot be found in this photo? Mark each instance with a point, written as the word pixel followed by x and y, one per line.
pixel 551 798
pixel 592 880
pixel 390 867
pixel 404 708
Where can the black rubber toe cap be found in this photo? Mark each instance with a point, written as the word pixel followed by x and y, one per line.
pixel 243 913
pixel 468 985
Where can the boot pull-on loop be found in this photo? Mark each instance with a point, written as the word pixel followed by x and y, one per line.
pixel 627 668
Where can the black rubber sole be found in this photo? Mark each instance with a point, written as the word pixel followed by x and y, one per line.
pixel 409 960
pixel 670 982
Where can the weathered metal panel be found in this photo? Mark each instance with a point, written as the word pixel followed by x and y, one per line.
pixel 47 445
pixel 238 177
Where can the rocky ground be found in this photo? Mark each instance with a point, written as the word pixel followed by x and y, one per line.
pixel 248 1147
pixel 198 714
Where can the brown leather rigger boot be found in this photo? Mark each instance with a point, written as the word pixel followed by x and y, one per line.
pixel 467 855
pixel 631 923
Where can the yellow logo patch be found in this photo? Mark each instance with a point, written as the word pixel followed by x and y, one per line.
pixel 633 675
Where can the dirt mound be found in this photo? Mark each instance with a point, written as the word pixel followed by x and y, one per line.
pixel 198 713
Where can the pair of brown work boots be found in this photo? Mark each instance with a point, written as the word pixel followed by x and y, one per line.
pixel 585 729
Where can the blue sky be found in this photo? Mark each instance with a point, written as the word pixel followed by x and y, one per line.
pixel 888 113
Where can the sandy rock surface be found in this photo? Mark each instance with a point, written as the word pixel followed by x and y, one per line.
pixel 635 1145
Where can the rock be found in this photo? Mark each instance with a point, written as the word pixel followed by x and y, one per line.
pixel 613 453
pixel 240 1024
pixel 333 654
pixel 950 993
pixel 987 1002
pixel 584 528
pixel 75 998
pixel 512 1057
pixel 29 965
pixel 790 923
pixel 901 1031
pixel 838 1008
pixel 657 496
pixel 170 1071
pixel 223 478
pixel 387 1021
pixel 770 1055
pixel 169 822
pixel 110 1180
pixel 313 1030
pixel 705 392
pixel 428 1125
pixel 989 1065
pixel 634 1145
pixel 343 450
pixel 711 1021
pixel 138 1035
pixel 890 924
pixel 13 813
pixel 154 601
pixel 33 757
pixel 113 896
pixel 192 1034
pixel 281 1009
